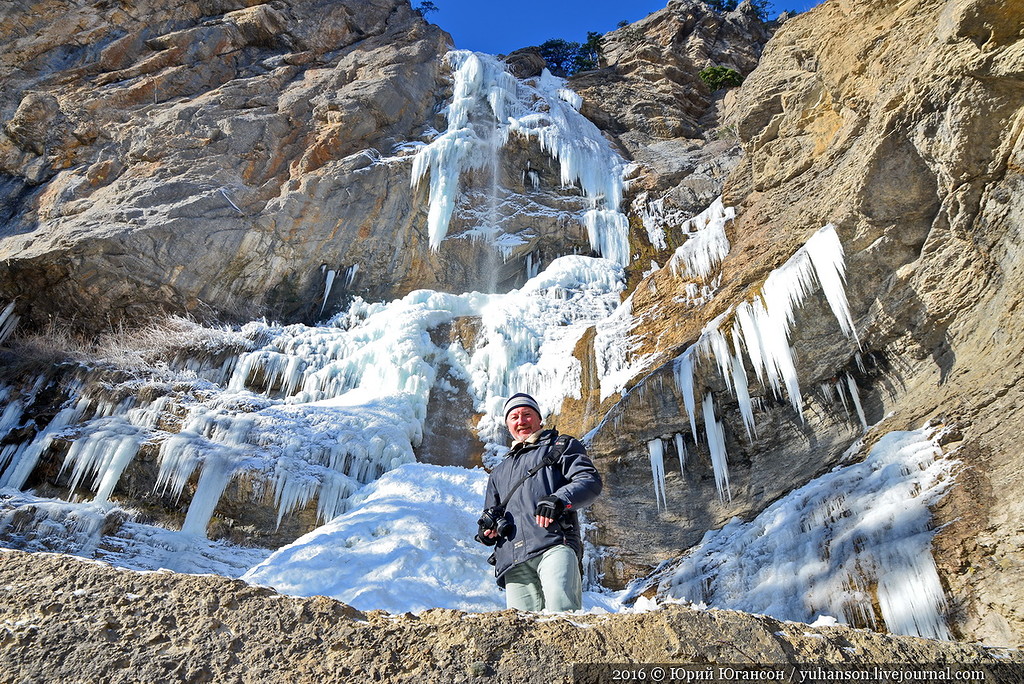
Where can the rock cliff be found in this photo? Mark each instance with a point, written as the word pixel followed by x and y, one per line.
pixel 900 124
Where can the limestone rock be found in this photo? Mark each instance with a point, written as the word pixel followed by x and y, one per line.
pixel 525 62
pixel 71 619
pixel 220 165
pixel 899 123
pixel 661 57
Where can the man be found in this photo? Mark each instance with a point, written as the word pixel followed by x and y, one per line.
pixel 530 512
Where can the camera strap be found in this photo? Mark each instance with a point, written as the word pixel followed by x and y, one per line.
pixel 555 448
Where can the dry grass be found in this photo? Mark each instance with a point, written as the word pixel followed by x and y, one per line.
pixel 148 348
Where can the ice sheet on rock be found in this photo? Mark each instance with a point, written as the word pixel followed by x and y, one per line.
pixel 613 350
pixel 112 534
pixel 405 545
pixel 488 104
pixel 706 244
pixel 653 216
pixel 8 321
pixel 821 548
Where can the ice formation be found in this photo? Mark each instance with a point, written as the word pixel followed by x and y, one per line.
pixel 706 244
pixel 614 347
pixel 652 215
pixel 112 534
pixel 316 413
pixel 489 104
pixel 657 452
pixel 821 548
pixel 760 330
pixel 529 336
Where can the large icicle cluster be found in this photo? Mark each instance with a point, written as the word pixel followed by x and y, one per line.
pixel 488 104
pixel 759 336
pixel 821 548
pixel 316 413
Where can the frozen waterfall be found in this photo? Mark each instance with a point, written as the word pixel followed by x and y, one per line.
pixel 316 413
pixel 488 105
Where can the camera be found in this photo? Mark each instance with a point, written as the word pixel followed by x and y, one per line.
pixel 493 519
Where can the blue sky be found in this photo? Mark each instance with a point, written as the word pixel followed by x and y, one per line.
pixel 501 27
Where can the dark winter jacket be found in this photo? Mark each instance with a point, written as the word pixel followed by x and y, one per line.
pixel 573 479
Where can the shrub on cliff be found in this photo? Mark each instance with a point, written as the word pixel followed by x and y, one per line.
pixel 717 77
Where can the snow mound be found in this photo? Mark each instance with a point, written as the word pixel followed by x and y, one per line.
pixel 406 544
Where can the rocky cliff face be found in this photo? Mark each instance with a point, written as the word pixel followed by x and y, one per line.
pixel 221 159
pixel 899 123
pixel 225 157
pixel 170 158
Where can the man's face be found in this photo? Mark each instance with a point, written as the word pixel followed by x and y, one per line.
pixel 522 422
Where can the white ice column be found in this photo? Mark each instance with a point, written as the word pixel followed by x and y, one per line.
pixel 656 449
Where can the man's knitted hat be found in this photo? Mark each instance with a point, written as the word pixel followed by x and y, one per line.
pixel 521 399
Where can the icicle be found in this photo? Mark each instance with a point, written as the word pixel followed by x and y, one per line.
pixel 826 253
pixel 104 454
pixel 683 371
pixel 656 449
pixel 212 482
pixel 842 398
pixel 327 290
pixel 681 452
pixel 715 346
pixel 180 455
pixel 739 375
pixel 24 460
pixel 716 444
pixel 855 396
pixel 608 230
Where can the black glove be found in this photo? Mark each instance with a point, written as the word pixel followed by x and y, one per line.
pixel 550 507
pixel 484 539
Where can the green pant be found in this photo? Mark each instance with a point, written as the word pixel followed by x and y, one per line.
pixel 549 581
